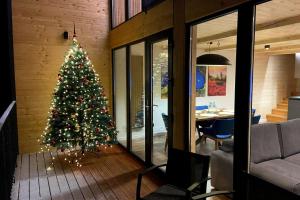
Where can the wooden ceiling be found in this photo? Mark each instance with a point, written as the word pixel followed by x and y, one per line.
pixel 277 24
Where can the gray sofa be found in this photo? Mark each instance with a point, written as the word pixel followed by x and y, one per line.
pixel 275 157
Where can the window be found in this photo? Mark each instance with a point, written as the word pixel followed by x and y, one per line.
pixel 135 7
pixel 122 10
pixel 118 12
pixel 137 98
pixel 212 100
pixel 120 97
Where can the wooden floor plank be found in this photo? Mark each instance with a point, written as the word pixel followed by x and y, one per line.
pixel 24 181
pixel 110 176
pixel 85 189
pixel 16 185
pixel 34 177
pixel 43 179
pixel 74 187
pixel 53 183
pixel 97 192
pixel 112 181
pixel 61 178
pixel 102 184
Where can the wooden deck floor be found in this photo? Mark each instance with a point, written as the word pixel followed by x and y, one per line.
pixel 112 175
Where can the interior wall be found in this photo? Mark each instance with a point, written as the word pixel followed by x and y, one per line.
pixel 297 72
pixel 273 81
pixel 39 50
pixel 226 101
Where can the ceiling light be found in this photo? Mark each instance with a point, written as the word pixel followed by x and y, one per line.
pixel 267 47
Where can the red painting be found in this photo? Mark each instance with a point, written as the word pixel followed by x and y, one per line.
pixel 217 76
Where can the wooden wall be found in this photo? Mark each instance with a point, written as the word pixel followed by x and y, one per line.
pixel 195 9
pixel 157 19
pixel 39 50
pixel 273 80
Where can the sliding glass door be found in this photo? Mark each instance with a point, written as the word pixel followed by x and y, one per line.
pixel 142 90
pixel 120 95
pixel 137 98
pixel 160 82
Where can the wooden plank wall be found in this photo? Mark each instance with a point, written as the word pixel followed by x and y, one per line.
pixel 157 19
pixel 39 50
pixel 198 8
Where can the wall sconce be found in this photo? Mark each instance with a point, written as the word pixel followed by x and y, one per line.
pixel 66 35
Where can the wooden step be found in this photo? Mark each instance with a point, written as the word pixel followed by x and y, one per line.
pixel 282 106
pixel 277 111
pixel 276 118
pixel 286 101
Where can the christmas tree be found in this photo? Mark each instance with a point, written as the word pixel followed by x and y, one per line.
pixel 78 116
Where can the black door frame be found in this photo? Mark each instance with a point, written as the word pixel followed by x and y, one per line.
pixel 163 35
pixel 167 35
pixel 243 90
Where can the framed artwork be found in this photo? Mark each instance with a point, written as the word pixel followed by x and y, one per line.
pixel 200 81
pixel 217 76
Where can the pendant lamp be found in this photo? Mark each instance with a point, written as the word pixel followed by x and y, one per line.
pixel 211 59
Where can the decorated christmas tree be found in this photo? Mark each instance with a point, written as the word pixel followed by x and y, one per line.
pixel 78 117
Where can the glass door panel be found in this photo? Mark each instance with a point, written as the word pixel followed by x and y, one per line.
pixel 137 99
pixel 160 101
pixel 119 57
pixel 212 100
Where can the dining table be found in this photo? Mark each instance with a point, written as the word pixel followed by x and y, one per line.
pixel 213 114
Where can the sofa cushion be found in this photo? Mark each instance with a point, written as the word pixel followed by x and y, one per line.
pixel 290 132
pixel 279 172
pixel 264 142
pixel 294 159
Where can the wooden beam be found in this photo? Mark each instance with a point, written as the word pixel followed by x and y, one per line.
pixel 259 27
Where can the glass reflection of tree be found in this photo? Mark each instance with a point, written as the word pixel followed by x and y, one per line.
pixel 160 74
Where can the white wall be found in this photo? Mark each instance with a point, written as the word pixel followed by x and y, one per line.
pixel 273 80
pixel 222 101
pixel 297 65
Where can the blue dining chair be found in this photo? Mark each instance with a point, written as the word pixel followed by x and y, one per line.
pixel 255 119
pixel 201 107
pixel 220 130
pixel 253 111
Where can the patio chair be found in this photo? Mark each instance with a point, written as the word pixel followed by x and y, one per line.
pixel 186 176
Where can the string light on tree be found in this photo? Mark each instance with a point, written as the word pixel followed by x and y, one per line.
pixel 78 116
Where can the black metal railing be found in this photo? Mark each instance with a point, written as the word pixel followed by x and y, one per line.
pixel 8 149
